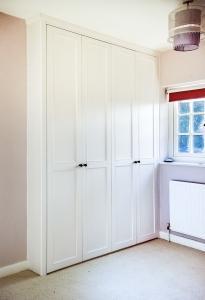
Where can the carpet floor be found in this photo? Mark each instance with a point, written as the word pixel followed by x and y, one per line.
pixel 156 270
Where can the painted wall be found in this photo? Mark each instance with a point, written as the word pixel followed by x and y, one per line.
pixel 176 68
pixel 179 67
pixel 13 140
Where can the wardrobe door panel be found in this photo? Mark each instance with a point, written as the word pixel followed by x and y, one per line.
pixel 96 213
pixel 123 207
pixel 96 99
pixel 146 71
pixel 64 228
pixel 64 234
pixel 146 228
pixel 123 97
pixel 97 129
pixel 146 82
pixel 123 150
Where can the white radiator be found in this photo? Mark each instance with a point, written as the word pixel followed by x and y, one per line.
pixel 187 208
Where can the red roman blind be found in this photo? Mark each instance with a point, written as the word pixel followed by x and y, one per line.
pixel 186 95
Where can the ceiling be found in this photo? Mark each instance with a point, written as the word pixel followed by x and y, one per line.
pixel 143 22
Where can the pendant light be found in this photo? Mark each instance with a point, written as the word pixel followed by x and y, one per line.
pixel 187 26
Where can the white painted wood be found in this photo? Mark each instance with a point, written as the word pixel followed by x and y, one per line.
pixel 14 268
pixel 64 229
pixel 95 180
pixel 36 147
pixel 148 114
pixel 92 34
pixel 182 241
pixel 146 222
pixel 96 212
pixel 146 75
pixel 124 152
pixel 97 132
pixel 123 207
pixel 187 208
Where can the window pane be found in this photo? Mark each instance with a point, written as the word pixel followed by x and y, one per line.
pixel 198 142
pixel 198 122
pixel 198 106
pixel 184 124
pixel 183 143
pixel 184 107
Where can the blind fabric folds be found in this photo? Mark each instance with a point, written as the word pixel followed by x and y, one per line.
pixel 186 95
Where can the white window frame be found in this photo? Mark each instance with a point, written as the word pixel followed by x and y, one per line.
pixel 173 142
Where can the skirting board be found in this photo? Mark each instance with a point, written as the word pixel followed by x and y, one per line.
pixel 182 241
pixel 15 268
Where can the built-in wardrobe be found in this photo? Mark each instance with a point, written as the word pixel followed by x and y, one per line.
pixel 92 145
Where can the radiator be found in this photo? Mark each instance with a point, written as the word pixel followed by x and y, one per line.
pixel 187 208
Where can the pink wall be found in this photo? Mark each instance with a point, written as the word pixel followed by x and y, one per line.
pixel 13 140
pixel 179 67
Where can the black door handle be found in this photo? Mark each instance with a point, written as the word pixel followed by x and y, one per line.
pixel 136 162
pixel 82 165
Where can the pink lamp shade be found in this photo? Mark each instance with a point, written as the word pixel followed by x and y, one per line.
pixel 187 41
pixel 186 28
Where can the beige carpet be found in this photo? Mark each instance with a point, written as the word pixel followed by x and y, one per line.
pixel 155 270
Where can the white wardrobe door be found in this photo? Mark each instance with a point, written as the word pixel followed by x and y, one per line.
pixel 123 154
pixel 64 234
pixel 97 132
pixel 146 228
pixel 146 72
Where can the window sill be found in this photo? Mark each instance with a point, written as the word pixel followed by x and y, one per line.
pixel 184 164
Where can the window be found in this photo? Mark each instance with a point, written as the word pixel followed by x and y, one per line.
pixel 189 130
pixel 187 124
